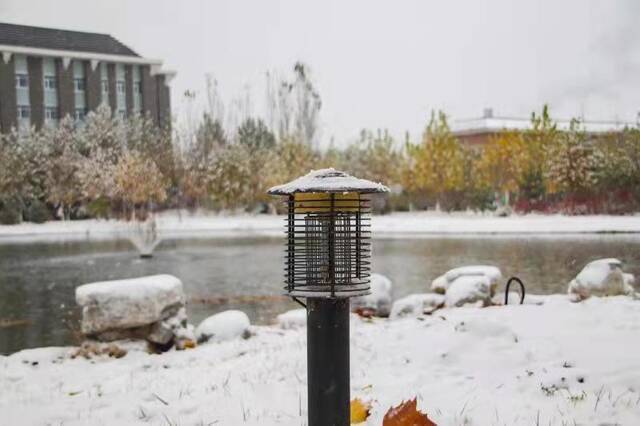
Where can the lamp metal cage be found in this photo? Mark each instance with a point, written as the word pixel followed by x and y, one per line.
pixel 328 245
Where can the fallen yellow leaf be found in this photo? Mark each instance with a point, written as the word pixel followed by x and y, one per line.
pixel 359 411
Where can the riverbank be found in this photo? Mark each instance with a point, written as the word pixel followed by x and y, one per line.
pixel 182 224
pixel 553 364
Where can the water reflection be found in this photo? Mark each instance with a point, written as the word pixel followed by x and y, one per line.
pixel 37 280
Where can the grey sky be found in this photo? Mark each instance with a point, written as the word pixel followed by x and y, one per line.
pixel 383 63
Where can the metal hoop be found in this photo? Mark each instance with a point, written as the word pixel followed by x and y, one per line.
pixel 506 291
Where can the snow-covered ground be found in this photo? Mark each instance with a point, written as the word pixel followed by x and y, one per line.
pixel 175 225
pixel 559 363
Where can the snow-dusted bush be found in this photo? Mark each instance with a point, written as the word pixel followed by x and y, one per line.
pixel 223 326
pixel 442 283
pixel 416 304
pixel 602 277
pixel 294 318
pixel 379 300
pixel 469 289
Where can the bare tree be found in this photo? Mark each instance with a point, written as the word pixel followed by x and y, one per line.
pixel 308 105
pixel 216 105
pixel 293 106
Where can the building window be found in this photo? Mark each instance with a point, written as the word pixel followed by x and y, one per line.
pixel 104 84
pixel 120 87
pixel 51 113
pixel 79 84
pixel 137 87
pixel 24 112
pixel 122 114
pixel 22 81
pixel 80 114
pixel 50 82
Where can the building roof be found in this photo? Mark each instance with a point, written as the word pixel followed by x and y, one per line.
pixel 54 39
pixel 498 124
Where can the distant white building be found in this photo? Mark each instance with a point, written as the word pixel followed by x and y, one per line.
pixel 478 131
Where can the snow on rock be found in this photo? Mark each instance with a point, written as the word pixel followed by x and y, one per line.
pixel 416 304
pixel 469 289
pixel 629 280
pixel 327 180
pixel 227 325
pixel 602 277
pixel 379 300
pixel 440 284
pixel 295 318
pixel 443 282
pixel 129 303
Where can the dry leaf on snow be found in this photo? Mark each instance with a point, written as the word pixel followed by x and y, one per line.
pixel 359 411
pixel 406 414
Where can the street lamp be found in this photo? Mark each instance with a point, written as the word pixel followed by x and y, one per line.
pixel 327 261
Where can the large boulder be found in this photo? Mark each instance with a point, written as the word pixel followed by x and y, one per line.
pixel 226 325
pixel 378 302
pixel 416 304
pixel 150 308
pixel 602 277
pixel 443 282
pixel 128 303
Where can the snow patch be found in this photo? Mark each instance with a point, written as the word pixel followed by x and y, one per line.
pixel 571 364
pixel 416 304
pixel 296 318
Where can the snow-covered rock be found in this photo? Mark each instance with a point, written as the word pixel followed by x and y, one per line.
pixel 295 318
pixel 629 280
pixel 416 304
pixel 379 300
pixel 223 326
pixel 129 303
pixel 443 282
pixel 469 289
pixel 175 328
pixel 602 277
pixel 440 284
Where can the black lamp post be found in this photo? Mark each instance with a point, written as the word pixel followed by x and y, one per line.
pixel 327 261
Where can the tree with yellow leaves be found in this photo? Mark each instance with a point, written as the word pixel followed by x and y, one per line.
pixel 571 165
pixel 538 141
pixel 436 166
pixel 500 164
pixel 138 184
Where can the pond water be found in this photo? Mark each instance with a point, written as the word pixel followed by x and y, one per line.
pixel 37 280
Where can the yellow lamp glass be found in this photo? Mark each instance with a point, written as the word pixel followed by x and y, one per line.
pixel 320 202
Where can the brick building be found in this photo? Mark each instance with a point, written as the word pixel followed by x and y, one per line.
pixel 476 132
pixel 47 74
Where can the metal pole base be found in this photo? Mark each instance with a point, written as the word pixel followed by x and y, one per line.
pixel 328 362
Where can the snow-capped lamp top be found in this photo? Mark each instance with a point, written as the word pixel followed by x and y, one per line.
pixel 328 181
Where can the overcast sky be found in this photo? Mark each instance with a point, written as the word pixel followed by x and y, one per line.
pixel 383 63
